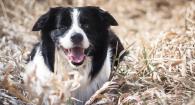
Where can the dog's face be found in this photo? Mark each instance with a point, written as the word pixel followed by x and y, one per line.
pixel 77 31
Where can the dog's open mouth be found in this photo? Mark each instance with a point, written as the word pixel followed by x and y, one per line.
pixel 75 55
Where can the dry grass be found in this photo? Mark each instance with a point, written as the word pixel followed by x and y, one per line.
pixel 159 35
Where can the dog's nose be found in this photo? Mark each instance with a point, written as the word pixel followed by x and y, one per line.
pixel 77 38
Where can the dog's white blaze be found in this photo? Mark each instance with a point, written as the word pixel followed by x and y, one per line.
pixel 65 41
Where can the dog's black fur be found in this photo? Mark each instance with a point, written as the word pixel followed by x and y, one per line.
pixel 96 25
pixel 57 18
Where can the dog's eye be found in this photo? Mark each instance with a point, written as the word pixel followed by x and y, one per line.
pixel 85 25
pixel 56 33
pixel 63 28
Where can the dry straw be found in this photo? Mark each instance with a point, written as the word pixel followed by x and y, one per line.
pixel 158 71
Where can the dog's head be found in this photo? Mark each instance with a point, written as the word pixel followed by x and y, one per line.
pixel 78 31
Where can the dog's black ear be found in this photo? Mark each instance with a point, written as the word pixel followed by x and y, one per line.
pixel 45 18
pixel 41 22
pixel 106 17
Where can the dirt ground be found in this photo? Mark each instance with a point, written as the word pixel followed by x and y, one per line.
pixel 159 35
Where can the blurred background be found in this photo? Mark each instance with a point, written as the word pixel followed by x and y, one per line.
pixel 159 34
pixel 145 18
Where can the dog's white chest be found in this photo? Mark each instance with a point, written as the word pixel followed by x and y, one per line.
pixel 87 87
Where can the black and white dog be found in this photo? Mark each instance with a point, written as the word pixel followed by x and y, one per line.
pixel 89 46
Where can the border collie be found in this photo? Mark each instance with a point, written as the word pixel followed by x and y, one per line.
pixel 84 36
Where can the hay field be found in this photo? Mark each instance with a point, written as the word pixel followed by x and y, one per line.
pixel 159 35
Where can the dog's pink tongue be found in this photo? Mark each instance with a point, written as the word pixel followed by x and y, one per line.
pixel 77 55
